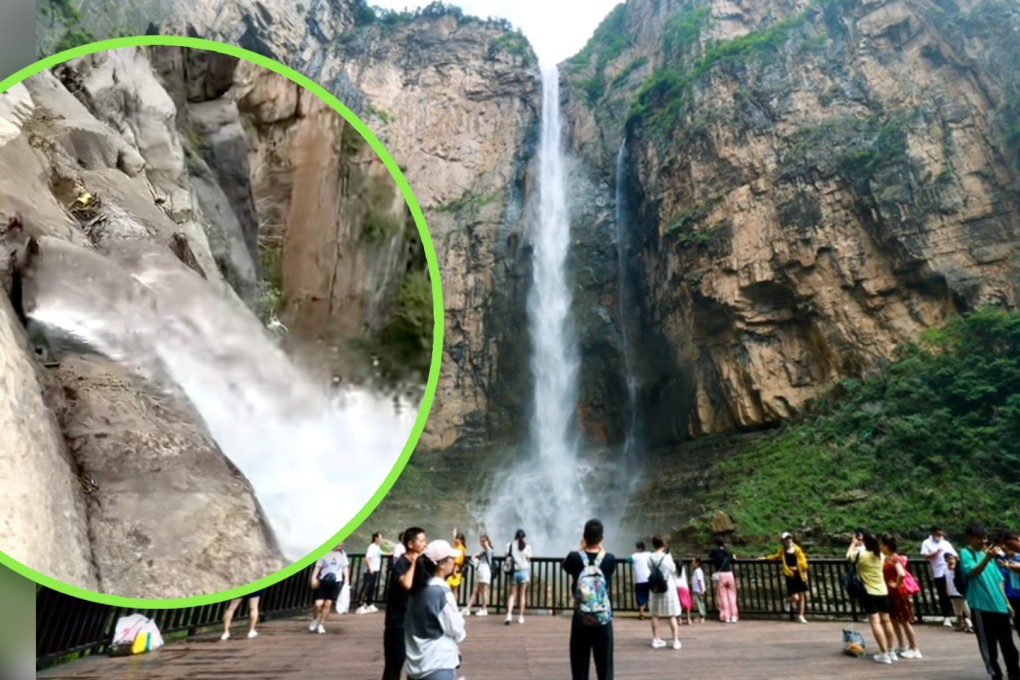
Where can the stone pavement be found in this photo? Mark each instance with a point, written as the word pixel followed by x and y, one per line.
pixel 352 649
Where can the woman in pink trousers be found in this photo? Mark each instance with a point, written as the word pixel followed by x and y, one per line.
pixel 725 584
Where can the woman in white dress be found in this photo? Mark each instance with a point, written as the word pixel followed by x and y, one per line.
pixel 482 562
pixel 666 604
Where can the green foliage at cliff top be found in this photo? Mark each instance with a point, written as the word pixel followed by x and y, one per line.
pixel 932 438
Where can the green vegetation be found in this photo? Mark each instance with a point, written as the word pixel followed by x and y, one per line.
pixel 934 437
pixel 271 299
pixel 683 227
pixel 513 42
pixel 379 225
pixel 409 333
pixel 607 43
pixel 65 13
pixel 469 200
pixel 627 70
pixel 663 94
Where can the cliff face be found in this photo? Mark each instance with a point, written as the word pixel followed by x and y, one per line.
pixel 95 183
pixel 810 184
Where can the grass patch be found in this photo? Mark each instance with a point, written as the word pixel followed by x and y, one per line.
pixel 408 336
pixel 934 437
pixel 514 43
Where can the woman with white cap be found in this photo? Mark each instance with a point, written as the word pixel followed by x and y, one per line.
pixel 433 627
pixel 795 569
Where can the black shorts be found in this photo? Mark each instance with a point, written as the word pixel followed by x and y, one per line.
pixel 641 591
pixel 875 604
pixel 795 584
pixel 327 592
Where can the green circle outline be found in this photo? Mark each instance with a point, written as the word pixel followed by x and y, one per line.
pixel 437 311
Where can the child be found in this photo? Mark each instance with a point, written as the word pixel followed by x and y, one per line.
pixel 960 608
pixel 683 591
pixel 698 588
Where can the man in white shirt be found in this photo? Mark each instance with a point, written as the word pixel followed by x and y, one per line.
pixel 934 549
pixel 373 563
pixel 329 574
pixel 642 570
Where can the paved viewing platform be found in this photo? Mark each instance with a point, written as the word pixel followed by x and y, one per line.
pixel 352 649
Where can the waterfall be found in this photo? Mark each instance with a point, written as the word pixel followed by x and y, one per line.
pixel 544 492
pixel 626 305
pixel 314 454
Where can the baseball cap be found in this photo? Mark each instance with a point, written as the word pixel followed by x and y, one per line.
pixel 438 550
pixel 785 535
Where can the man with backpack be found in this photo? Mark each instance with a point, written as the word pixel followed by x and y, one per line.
pixel 982 585
pixel 591 630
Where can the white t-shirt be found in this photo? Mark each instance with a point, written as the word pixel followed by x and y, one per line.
pixel 334 562
pixel 373 558
pixel 938 563
pixel 642 570
pixel 522 558
pixel 398 550
pixel 698 581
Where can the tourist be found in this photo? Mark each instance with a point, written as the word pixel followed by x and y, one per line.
pixel 795 568
pixel 253 614
pixel 698 587
pixel 666 604
pixel 866 554
pixel 591 634
pixel 725 583
pixel 459 558
pixel 960 609
pixel 1009 565
pixel 433 627
pixel 988 605
pixel 901 613
pixel 398 549
pixel 330 573
pixel 639 565
pixel 482 562
pixel 519 553
pixel 401 580
pixel 934 549
pixel 373 564
pixel 683 591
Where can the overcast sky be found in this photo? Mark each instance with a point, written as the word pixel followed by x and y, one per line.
pixel 557 29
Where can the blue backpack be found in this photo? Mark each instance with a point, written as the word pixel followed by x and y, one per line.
pixel 591 594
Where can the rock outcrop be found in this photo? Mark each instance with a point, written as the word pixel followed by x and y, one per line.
pixel 812 183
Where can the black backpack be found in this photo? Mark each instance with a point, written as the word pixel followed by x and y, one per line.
pixel 852 583
pixel 657 581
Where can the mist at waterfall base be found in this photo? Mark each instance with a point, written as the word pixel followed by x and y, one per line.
pixel 544 491
pixel 313 455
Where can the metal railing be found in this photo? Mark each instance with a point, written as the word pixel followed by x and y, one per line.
pixel 67 627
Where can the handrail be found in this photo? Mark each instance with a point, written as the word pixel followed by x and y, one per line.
pixel 67 627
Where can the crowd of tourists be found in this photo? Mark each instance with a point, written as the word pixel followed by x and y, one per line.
pixel 978 589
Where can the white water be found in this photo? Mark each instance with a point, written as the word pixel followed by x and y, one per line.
pixel 544 492
pixel 626 309
pixel 314 456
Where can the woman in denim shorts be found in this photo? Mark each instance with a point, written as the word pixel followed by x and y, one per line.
pixel 520 552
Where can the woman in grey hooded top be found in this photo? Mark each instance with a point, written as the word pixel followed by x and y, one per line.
pixel 433 627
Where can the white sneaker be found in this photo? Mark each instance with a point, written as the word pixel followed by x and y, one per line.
pixel 484 612
pixel 253 634
pixel 320 629
pixel 371 609
pixel 892 655
pixel 786 606
pixel 361 610
pixel 225 636
pixel 676 644
pixel 801 619
pixel 509 619
pixel 882 658
pixel 465 612
pixel 658 644
pixel 312 625
pixel 946 622
pixel 520 619
pixel 911 654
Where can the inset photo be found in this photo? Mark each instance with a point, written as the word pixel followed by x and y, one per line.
pixel 217 325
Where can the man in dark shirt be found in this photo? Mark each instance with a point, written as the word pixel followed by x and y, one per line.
pixel 401 578
pixel 588 641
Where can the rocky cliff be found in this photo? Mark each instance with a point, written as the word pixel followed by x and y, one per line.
pixel 810 184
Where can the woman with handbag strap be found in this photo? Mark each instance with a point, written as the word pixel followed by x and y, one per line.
pixel 864 550
pixel 519 554
pixel 900 612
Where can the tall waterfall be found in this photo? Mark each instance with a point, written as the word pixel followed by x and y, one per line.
pixel 544 492
pixel 626 306
pixel 314 455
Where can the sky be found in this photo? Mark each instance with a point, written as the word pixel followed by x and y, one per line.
pixel 557 29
